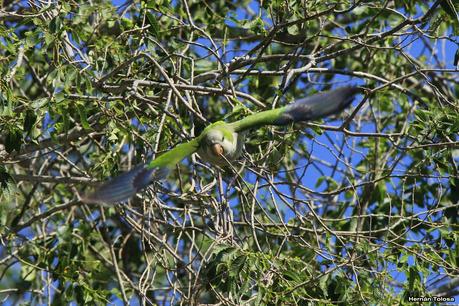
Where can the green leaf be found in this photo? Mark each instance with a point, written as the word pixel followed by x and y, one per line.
pixel 154 25
pixel 55 25
pixel 320 180
pixel 39 103
pixel 13 141
pixel 29 121
pixel 413 278
pixel 5 178
pixel 83 117
pixel 28 273
pixel 449 8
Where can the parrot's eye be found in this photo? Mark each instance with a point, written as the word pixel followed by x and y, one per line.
pixel 223 138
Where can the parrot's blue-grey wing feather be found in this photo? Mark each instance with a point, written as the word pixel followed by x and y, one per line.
pixel 126 185
pixel 318 106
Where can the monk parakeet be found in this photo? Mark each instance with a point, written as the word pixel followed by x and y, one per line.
pixel 220 142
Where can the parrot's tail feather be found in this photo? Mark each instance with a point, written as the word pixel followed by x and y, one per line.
pixel 319 105
pixel 126 185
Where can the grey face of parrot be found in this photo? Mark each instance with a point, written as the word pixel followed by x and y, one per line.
pixel 218 149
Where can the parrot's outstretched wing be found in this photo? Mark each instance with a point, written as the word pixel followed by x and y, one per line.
pixel 123 187
pixel 314 107
pixel 126 185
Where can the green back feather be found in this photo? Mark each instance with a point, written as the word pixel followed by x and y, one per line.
pixel 175 155
pixel 223 127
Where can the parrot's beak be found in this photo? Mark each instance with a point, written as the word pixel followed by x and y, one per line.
pixel 217 149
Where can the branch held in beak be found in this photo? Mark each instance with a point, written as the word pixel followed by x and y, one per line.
pixel 217 149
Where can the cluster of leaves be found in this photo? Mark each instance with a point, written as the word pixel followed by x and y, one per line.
pixel 266 279
pixel 357 213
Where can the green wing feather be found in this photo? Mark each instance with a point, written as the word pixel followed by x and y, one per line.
pixel 269 117
pixel 314 107
pixel 175 155
pixel 126 185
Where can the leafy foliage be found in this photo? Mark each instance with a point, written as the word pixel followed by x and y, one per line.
pixel 356 209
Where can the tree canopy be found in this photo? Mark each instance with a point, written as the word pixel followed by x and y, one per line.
pixel 358 208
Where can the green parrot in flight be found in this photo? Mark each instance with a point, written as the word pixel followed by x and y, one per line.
pixel 220 143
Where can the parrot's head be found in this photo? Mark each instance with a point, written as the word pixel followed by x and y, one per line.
pixel 219 143
pixel 215 141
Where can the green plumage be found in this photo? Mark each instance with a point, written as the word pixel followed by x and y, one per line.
pixel 221 143
pixel 221 126
pixel 256 120
pixel 175 155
